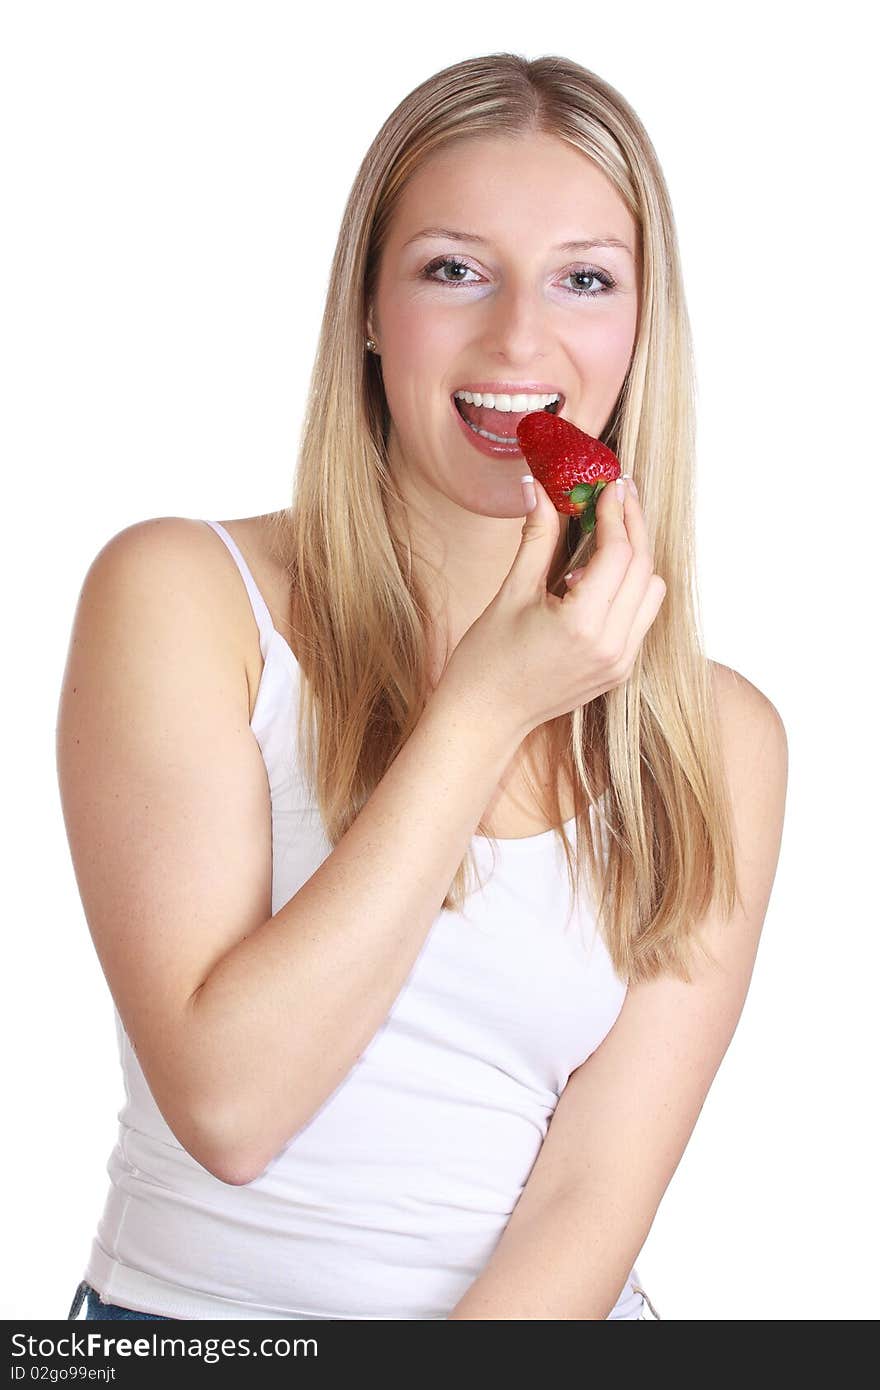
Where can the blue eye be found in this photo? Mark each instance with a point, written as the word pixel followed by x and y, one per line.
pixel 453 263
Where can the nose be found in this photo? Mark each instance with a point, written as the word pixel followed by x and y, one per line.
pixel 516 324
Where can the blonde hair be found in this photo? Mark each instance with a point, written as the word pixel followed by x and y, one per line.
pixel 650 749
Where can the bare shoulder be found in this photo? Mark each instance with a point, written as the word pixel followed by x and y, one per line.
pixel 754 747
pixel 755 752
pixel 175 539
pixel 182 560
pixel 745 712
pixel 171 558
pixel 162 551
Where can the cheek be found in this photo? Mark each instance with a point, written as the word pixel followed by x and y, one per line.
pixel 420 351
pixel 434 339
pixel 607 349
pixel 418 354
pixel 419 325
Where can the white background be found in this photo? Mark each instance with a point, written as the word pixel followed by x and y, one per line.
pixel 174 175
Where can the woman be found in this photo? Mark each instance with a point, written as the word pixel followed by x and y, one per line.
pixel 496 844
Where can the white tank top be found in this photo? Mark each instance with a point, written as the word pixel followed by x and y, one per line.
pixel 389 1202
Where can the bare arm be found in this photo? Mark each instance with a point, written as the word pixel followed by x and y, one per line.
pixel 626 1114
pixel 283 1017
pixel 242 1022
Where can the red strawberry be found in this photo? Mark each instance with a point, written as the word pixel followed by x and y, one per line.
pixel 570 465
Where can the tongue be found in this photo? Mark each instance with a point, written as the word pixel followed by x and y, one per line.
pixel 495 421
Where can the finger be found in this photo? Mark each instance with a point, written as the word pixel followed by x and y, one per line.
pixel 634 518
pixel 628 566
pixel 608 566
pixel 637 601
pixel 647 612
pixel 540 538
pixel 626 606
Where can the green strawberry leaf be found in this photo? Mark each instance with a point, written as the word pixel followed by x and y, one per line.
pixel 588 518
pixel 588 515
pixel 581 492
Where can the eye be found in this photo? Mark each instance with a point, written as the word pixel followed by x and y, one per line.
pixel 599 275
pixel 452 263
pixel 441 263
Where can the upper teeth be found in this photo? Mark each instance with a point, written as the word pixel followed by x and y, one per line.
pixel 502 402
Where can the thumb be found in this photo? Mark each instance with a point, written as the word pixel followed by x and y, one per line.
pixel 540 537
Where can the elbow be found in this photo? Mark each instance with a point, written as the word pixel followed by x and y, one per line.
pixel 230 1144
pixel 237 1152
pixel 230 1166
pixel 237 1169
pixel 217 1137
pixel 226 1166
pixel 214 1152
pixel 232 1176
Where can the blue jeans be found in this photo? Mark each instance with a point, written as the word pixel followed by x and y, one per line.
pixel 95 1309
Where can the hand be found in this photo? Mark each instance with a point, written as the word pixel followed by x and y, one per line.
pixel 531 656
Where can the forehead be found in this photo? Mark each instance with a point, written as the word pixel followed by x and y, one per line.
pixel 506 188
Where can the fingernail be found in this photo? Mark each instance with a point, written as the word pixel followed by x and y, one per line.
pixel 567 577
pixel 632 486
pixel 530 497
pixel 621 491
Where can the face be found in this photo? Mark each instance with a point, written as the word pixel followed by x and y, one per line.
pixel 502 307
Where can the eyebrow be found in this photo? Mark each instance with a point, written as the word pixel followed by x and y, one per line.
pixel 448 234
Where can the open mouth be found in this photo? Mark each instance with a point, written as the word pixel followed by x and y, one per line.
pixel 499 426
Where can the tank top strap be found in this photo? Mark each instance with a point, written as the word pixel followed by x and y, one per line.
pixel 258 603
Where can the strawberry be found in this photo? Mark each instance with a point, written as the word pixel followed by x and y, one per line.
pixel 570 465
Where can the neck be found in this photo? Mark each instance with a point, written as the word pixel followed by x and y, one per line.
pixel 459 559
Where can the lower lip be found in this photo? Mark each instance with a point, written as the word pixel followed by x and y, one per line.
pixel 485 446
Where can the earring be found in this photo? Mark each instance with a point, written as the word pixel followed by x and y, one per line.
pixel 371 345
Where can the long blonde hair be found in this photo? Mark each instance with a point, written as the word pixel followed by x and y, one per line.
pixel 645 758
